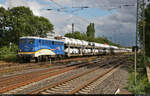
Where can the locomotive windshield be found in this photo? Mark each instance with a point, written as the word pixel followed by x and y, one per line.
pixel 22 41
pixel 30 41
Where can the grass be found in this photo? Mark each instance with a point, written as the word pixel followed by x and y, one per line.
pixel 8 54
pixel 142 85
pixel 148 61
pixel 10 58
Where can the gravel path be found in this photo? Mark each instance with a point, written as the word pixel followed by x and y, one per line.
pixel 118 79
pixel 69 86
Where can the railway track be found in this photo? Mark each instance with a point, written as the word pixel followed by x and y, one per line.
pixel 6 68
pixel 11 64
pixel 72 86
pixel 12 82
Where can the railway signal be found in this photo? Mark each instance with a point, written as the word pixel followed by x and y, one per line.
pixel 135 48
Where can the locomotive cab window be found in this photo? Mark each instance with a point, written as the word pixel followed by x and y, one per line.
pixel 22 41
pixel 31 41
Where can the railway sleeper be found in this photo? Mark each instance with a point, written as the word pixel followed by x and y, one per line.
pixel 44 93
pixel 60 91
pixel 63 90
pixel 82 92
pixel 60 88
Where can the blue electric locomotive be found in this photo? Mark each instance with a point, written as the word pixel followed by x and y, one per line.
pixel 41 49
pixel 37 48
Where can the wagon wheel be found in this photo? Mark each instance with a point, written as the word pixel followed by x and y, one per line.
pixel 46 58
pixel 40 58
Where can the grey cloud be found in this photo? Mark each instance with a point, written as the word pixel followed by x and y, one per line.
pixel 119 25
pixel 33 5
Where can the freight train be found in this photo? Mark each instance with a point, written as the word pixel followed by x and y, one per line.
pixel 41 49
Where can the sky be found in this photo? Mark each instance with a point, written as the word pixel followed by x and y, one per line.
pixel 111 18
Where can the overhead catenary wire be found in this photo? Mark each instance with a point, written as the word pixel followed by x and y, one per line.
pixel 76 8
pixel 56 4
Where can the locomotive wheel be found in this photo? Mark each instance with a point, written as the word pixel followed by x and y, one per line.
pixel 43 59
pixel 40 58
pixel 28 60
pixel 23 60
pixel 46 58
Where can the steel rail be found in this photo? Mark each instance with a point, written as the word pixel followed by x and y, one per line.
pixel 63 81
pixel 13 86
pixel 74 77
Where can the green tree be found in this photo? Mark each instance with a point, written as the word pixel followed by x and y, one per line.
pixel 77 35
pixel 40 25
pixel 68 35
pixel 84 36
pixel 90 31
pixel 147 31
pixel 4 26
pixel 20 21
pixel 93 30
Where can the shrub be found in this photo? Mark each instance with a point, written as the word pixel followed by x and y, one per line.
pixel 147 88
pixel 142 85
pixel 8 54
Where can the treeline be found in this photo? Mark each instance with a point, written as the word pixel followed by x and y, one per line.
pixel 142 85
pixel 147 30
pixel 90 36
pixel 20 21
